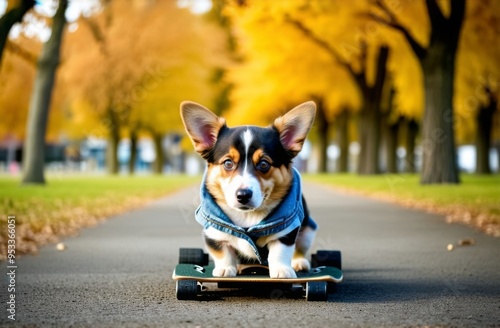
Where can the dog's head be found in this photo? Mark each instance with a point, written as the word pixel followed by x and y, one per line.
pixel 249 167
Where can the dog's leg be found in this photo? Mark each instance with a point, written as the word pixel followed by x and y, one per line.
pixel 280 259
pixel 280 256
pixel 224 256
pixel 304 240
pixel 303 243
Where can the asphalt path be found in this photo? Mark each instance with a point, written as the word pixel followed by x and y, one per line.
pixel 397 269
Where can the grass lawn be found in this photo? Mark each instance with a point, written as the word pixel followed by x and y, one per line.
pixel 68 203
pixel 475 201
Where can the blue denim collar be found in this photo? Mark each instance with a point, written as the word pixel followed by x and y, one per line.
pixel 287 215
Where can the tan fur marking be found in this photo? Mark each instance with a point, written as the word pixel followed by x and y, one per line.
pixel 213 182
pixel 282 178
pixel 257 156
pixel 298 254
pixel 234 154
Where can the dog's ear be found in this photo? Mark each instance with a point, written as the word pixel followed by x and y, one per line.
pixel 294 126
pixel 202 126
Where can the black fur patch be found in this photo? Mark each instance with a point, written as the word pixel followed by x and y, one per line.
pixel 289 239
pixel 305 221
pixel 267 139
pixel 213 244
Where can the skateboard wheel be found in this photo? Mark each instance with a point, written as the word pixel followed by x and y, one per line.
pixel 327 258
pixel 186 290
pixel 317 291
pixel 193 256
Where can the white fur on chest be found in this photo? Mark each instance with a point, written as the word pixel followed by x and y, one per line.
pixel 244 219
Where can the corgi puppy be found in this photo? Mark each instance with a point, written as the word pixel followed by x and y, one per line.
pixel 252 207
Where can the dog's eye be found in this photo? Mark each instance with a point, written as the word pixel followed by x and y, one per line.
pixel 228 164
pixel 263 166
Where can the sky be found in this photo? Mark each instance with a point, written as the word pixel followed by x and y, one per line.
pixel 196 6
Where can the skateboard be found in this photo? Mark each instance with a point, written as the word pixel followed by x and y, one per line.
pixel 194 270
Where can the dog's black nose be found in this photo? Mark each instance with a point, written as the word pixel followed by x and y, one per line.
pixel 243 195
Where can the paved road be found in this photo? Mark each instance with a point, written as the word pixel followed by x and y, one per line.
pixel 397 273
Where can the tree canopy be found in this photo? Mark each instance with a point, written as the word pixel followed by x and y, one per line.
pixel 146 64
pixel 126 65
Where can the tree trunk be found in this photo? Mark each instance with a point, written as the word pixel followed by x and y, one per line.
pixel 439 152
pixel 368 157
pixel 11 17
pixel 158 163
pixel 363 142
pixel 498 155
pixel 391 143
pixel 113 125
pixel 391 129
pixel 484 120
pixel 371 116
pixel 411 136
pixel 370 131
pixel 437 61
pixel 438 67
pixel 133 152
pixel 323 134
pixel 112 153
pixel 182 162
pixel 343 141
pixel 34 145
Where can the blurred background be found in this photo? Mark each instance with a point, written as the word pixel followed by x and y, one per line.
pixel 395 82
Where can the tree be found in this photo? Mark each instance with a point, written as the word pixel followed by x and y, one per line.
pixel 133 151
pixel 370 115
pixel 323 129
pixel 279 68
pixel 352 41
pixel 14 14
pixel 342 125
pixel 279 40
pixel 476 86
pixel 17 75
pixel 142 77
pixel 437 61
pixel 411 135
pixel 484 121
pixel 34 145
pixel 391 122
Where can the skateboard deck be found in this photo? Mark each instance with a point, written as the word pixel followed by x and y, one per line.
pixel 254 274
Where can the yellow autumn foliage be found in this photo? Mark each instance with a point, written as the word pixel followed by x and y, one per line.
pixel 17 75
pixel 148 56
pixel 281 67
pixel 144 61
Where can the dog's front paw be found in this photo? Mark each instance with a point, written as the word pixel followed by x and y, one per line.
pixel 224 271
pixel 282 271
pixel 301 264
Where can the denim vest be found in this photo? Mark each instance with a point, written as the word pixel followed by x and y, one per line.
pixel 289 214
